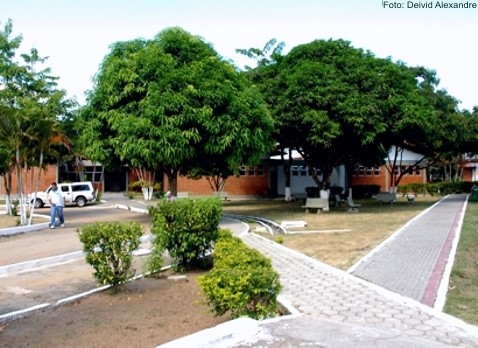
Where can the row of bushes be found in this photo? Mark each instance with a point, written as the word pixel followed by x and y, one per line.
pixel 185 228
pixel 136 186
pixel 437 188
pixel 241 281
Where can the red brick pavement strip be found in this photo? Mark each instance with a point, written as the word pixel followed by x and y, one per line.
pixel 431 291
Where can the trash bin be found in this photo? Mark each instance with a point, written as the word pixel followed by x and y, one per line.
pixel 474 193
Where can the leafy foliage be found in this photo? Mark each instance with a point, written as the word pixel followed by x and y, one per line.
pixel 109 249
pixel 437 188
pixel 169 104
pixel 186 228
pixel 30 110
pixel 337 104
pixel 242 281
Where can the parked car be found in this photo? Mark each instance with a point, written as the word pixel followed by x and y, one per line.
pixel 79 193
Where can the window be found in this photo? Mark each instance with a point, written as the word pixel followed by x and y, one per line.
pixel 242 170
pixel 260 170
pixel 76 188
pixel 361 171
pixel 295 170
pixel 251 171
pixel 377 171
pixel 303 171
pixel 369 171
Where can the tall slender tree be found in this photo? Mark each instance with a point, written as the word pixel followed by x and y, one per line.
pixel 30 105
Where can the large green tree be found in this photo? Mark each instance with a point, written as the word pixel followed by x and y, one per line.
pixel 173 104
pixel 338 104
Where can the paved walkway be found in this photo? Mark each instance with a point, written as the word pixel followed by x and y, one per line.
pixel 412 262
pixel 332 308
pixel 336 309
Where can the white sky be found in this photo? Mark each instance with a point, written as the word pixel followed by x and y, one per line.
pixel 76 34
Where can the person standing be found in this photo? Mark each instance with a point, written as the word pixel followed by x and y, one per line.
pixel 57 202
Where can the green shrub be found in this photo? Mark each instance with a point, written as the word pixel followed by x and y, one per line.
pixel 242 281
pixel 15 207
pixel 437 188
pixel 186 228
pixel 109 249
pixel 136 186
pixel 413 188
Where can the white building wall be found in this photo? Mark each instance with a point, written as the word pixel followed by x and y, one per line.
pixel 300 179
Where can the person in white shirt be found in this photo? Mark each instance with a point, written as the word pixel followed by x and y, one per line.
pixel 57 202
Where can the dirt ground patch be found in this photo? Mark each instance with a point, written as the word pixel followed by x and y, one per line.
pixel 144 313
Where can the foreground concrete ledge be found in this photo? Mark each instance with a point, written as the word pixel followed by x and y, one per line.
pixel 222 335
pixel 299 331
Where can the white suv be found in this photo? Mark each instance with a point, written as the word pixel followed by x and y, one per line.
pixel 78 193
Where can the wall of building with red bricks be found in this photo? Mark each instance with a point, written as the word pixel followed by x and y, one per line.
pixel 29 179
pixel 368 176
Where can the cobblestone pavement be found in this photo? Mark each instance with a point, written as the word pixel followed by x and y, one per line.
pixel 320 291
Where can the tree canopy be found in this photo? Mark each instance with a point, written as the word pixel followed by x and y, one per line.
pixel 337 104
pixel 173 104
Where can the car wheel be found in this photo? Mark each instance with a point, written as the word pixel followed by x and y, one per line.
pixel 80 201
pixel 38 203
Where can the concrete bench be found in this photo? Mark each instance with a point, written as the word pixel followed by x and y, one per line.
pixel 410 198
pixel 386 197
pixel 353 207
pixel 182 195
pixel 321 204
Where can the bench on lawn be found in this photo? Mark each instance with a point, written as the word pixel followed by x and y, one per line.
pixel 353 207
pixel 410 198
pixel 182 195
pixel 386 197
pixel 321 204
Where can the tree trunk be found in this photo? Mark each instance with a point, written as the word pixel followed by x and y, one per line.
pixel 286 166
pixel 172 175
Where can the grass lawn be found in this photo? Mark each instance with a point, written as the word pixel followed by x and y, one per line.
pixel 7 221
pixel 359 232
pixel 463 289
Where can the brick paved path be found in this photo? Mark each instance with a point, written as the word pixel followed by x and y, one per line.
pixel 413 260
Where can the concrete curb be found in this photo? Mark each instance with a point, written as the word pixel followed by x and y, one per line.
pixel 24 229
